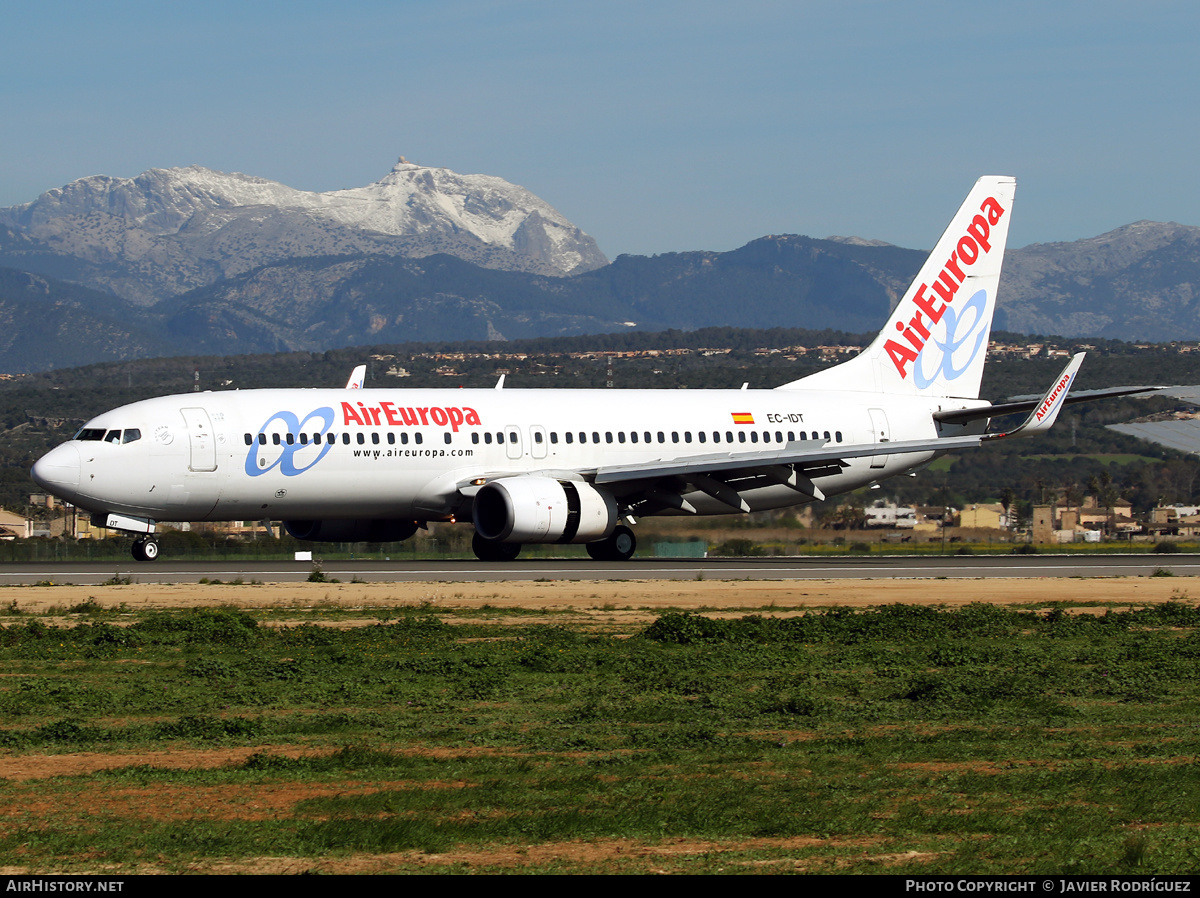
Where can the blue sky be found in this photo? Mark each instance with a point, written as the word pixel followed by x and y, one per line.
pixel 654 126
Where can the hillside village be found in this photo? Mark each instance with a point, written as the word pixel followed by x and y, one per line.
pixel 831 353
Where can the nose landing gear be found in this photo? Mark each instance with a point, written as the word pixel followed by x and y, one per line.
pixel 145 548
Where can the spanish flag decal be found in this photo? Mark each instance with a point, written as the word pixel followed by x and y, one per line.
pixel 742 418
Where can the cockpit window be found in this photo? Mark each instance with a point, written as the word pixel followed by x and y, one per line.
pixel 97 434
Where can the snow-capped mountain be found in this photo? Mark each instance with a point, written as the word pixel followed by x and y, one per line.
pixel 171 230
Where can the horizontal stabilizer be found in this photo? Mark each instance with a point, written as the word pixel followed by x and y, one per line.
pixel 999 410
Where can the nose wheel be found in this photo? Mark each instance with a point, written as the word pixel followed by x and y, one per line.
pixel 145 548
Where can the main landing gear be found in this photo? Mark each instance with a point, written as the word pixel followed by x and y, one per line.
pixel 619 546
pixel 145 548
pixel 494 550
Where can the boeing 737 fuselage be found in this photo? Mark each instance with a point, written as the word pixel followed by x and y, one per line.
pixel 539 466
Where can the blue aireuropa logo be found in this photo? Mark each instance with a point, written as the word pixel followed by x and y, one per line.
pixel 945 356
pixel 295 457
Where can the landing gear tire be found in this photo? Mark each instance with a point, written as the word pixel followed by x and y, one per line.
pixel 145 548
pixel 493 550
pixel 620 546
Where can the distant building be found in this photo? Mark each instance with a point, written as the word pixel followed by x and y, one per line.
pixel 896 517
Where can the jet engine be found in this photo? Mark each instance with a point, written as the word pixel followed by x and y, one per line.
pixel 385 531
pixel 543 510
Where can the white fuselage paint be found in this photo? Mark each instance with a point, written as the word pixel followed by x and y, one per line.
pixel 192 462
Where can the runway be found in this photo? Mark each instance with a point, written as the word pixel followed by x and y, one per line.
pixel 896 567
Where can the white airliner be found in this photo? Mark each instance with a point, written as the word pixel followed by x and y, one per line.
pixel 566 466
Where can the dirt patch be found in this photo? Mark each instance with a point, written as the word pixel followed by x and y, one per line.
pixel 610 600
pixel 262 801
pixel 39 766
pixel 577 853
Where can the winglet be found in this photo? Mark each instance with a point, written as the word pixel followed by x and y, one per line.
pixel 1044 415
pixel 357 376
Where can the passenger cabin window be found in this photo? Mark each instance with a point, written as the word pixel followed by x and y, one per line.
pixel 418 439
pixel 447 437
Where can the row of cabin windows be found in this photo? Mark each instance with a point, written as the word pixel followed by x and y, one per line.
pixel 647 437
pixel 331 438
pixel 569 436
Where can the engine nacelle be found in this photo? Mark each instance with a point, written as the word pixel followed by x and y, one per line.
pixel 387 531
pixel 543 510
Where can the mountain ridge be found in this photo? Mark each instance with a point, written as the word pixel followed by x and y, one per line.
pixel 189 259
pixel 167 231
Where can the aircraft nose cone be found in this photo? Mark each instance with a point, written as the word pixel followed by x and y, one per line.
pixel 58 470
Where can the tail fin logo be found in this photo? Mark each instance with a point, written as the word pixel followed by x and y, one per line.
pixel 973 245
pixel 945 367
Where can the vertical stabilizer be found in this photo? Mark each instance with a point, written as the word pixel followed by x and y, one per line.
pixel 936 339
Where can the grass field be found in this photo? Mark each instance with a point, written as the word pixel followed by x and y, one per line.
pixel 893 739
